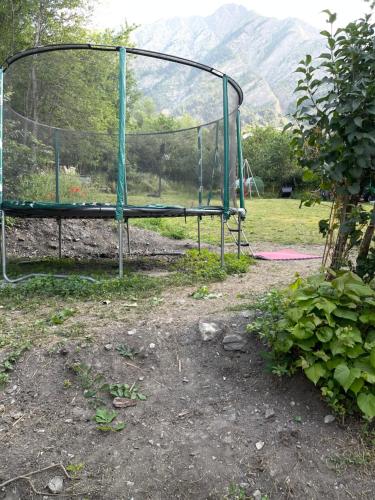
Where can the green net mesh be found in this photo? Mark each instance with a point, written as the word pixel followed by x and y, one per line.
pixel 61 131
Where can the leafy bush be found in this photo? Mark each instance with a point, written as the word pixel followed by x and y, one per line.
pixel 41 186
pixel 326 328
pixel 206 265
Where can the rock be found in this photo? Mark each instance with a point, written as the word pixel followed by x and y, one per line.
pixel 16 415
pixel 209 329
pixel 53 246
pixel 55 485
pixel 269 413
pixel 234 342
pixel 152 345
pixel 108 347
pixel 328 419
pixel 80 414
pixel 132 332
pixel 257 495
pixel 11 390
pixel 124 402
pixel 106 302
pixel 259 445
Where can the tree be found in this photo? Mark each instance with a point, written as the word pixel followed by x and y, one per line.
pixel 271 157
pixel 334 133
pixel 28 23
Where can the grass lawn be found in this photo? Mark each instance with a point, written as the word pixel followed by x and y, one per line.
pixel 275 220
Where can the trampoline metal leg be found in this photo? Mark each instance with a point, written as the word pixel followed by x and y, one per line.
pixel 27 276
pixel 239 237
pixel 3 247
pixel 120 250
pixel 199 234
pixel 222 241
pixel 60 238
pixel 128 235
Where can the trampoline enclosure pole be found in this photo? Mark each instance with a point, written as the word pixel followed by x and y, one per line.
pixel 121 167
pixel 222 221
pixel 57 179
pixel 122 197
pixel 200 166
pixel 1 134
pixel 226 146
pixel 240 159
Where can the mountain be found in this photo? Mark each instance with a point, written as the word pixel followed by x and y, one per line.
pixel 261 53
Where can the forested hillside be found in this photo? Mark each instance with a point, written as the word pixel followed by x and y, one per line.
pixel 261 53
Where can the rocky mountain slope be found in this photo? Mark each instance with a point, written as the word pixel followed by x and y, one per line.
pixel 261 53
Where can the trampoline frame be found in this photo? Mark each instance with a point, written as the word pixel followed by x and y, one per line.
pixel 122 212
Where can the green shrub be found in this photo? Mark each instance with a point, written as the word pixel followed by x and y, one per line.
pixel 206 265
pixel 327 329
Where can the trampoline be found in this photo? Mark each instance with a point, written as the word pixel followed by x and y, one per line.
pixel 109 132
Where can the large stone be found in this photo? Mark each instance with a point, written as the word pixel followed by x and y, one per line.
pixel 209 330
pixel 234 342
pixel 55 485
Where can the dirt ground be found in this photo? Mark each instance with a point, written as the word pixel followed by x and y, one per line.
pixel 215 424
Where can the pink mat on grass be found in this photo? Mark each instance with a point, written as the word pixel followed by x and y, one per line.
pixel 285 254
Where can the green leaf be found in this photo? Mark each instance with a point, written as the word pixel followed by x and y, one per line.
pixel 366 403
pixel 372 358
pixel 345 313
pixel 324 334
pixel 368 317
pixel 337 347
pixel 141 397
pixel 315 372
pixel 355 351
pixel 301 100
pixel 295 313
pixel 104 416
pixel 345 376
pixel 119 426
pixel 357 385
pixel 307 344
pixel 334 362
pixel 301 332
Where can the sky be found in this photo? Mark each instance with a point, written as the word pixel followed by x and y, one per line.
pixel 112 13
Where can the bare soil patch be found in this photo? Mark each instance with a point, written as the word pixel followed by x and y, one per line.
pixel 196 435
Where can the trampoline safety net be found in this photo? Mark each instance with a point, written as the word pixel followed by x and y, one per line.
pixel 61 131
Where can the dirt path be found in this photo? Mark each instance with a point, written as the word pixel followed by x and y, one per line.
pixel 215 424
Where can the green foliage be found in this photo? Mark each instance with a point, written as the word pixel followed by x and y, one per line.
pixel 28 23
pixel 10 359
pixel 201 293
pixel 93 384
pixel 126 351
pixel 327 329
pixel 74 287
pixel 75 469
pixel 104 418
pixel 334 131
pixel 271 157
pixel 205 265
pixel 126 391
pixel 60 317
